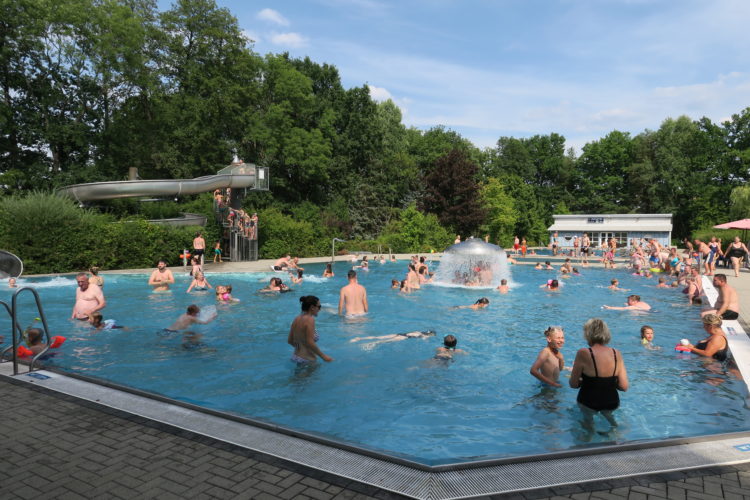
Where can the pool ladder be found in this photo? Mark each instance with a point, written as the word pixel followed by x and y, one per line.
pixel 17 331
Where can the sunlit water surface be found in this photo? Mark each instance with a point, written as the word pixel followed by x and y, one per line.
pixel 393 396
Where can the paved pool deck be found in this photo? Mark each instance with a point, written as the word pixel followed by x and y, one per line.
pixel 58 446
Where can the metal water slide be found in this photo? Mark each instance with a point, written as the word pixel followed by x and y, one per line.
pixel 247 177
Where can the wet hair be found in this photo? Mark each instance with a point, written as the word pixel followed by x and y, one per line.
pixel 34 335
pixel 546 262
pixel 636 298
pixel 644 329
pixel 450 341
pixel 614 281
pixel 97 317
pixel 228 288
pixel 394 282
pixel 94 270
pixel 552 329
pixel 721 277
pixel 662 279
pixel 712 320
pixel 596 331
pixel 483 300
pixel 422 259
pixel 554 283
pixel 192 309
pixel 328 267
pixel 309 301
pixel 503 281
pixel 351 274
pixel 300 272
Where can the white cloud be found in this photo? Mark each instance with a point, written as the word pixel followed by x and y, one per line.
pixel 293 40
pixel 379 93
pixel 252 36
pixel 272 16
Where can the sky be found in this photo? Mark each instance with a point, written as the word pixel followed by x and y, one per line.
pixel 494 68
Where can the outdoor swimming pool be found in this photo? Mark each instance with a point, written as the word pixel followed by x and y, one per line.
pixel 392 397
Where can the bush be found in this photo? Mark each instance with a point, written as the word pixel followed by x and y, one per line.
pixel 51 234
pixel 281 234
pixel 414 232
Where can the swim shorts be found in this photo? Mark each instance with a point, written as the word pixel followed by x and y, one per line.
pixel 730 315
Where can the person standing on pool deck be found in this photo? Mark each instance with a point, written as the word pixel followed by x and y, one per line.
pixel 550 361
pixel 199 247
pixel 353 297
pixel 590 374
pixel 89 298
pixel 303 335
pixel 727 306
pixel 161 278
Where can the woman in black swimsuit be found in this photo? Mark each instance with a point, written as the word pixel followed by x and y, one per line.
pixel 736 251
pixel 591 373
pixel 715 346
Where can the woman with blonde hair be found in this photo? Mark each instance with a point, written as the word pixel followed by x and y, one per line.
pixel 598 372
pixel 715 345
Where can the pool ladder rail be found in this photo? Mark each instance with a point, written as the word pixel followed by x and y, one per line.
pixel 17 331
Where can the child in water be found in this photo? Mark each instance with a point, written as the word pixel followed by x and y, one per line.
pixel 550 361
pixel 446 352
pixel 97 321
pixel 647 338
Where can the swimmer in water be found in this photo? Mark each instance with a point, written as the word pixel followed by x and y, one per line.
pixel 395 284
pixel 538 266
pixel 550 360
pixel 647 338
pixel 615 285
pixel 97 321
pixel 479 304
pixel 551 285
pixel 190 340
pixel 634 304
pixel 503 288
pixel 394 337
pixel 34 338
pixel 12 283
pixel 199 282
pixel 446 352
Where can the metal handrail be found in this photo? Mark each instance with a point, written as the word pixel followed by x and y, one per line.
pixel 12 332
pixel 14 319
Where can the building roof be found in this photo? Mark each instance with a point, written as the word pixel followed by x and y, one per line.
pixel 613 222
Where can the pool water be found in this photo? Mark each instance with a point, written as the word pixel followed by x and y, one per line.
pixel 394 397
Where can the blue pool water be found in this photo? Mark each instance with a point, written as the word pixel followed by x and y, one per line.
pixel 392 397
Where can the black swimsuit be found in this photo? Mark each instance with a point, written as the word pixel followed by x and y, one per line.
pixel 599 393
pixel 720 355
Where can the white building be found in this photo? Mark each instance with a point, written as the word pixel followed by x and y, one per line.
pixel 621 227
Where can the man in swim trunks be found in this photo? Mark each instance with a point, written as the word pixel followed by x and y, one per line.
pixel 89 298
pixel 728 304
pixel 199 247
pixel 353 297
pixel 585 244
pixel 282 263
pixel 161 278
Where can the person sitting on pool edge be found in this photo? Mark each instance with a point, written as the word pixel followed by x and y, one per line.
pixel 550 361
pixel 448 349
pixel 479 304
pixel 634 304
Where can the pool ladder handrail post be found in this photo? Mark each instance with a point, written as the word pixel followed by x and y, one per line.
pixel 17 328
pixel 14 320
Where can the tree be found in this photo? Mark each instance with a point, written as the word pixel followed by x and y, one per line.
pixel 501 214
pixel 451 192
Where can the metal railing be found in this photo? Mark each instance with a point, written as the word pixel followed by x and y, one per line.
pixel 17 332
